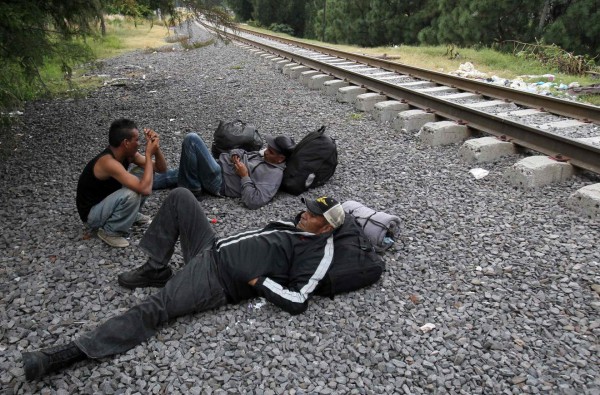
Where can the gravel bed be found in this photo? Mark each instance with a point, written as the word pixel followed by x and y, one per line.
pixel 504 275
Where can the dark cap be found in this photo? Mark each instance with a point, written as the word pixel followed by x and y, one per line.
pixel 328 207
pixel 282 144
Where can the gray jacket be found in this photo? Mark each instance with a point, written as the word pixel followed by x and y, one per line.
pixel 259 187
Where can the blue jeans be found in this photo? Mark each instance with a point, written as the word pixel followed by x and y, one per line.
pixel 165 180
pixel 116 213
pixel 198 170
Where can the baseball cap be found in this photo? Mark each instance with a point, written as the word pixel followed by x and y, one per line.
pixel 282 144
pixel 328 207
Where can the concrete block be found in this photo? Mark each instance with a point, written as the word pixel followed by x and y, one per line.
pixel 443 133
pixel 412 120
pixel 280 64
pixel 590 140
pixel 267 57
pixel 331 87
pixel 317 81
pixel 568 123
pixel 394 78
pixel 586 200
pixel 305 76
pixel 520 113
pixel 342 62
pixel 382 74
pixel 297 70
pixel 485 149
pixel 273 61
pixel 288 67
pixel 417 84
pixel 490 103
pixel 537 171
pixel 348 94
pixel 438 89
pixel 462 95
pixel 385 111
pixel 366 102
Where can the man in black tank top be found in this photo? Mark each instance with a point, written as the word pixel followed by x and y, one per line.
pixel 108 196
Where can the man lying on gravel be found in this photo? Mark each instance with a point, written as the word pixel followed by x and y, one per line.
pixel 283 262
pixel 249 175
pixel 108 196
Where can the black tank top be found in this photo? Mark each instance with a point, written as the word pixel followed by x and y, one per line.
pixel 90 190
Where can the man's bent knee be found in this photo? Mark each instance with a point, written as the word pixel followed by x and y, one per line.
pixel 192 138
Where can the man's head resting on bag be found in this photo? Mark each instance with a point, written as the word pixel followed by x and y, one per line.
pixel 323 214
pixel 278 149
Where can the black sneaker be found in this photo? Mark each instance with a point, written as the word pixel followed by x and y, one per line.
pixel 145 276
pixel 38 363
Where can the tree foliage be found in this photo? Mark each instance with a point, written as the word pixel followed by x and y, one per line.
pixel 35 32
pixel 572 24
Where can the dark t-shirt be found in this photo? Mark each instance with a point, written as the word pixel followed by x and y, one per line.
pixel 90 190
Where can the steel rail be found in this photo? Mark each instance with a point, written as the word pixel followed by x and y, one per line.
pixel 581 111
pixel 580 155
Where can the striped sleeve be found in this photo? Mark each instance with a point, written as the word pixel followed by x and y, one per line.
pixel 294 299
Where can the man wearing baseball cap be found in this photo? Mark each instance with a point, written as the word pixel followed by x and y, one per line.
pixel 251 176
pixel 283 262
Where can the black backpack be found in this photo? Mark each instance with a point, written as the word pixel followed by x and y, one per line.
pixel 311 164
pixel 355 263
pixel 235 134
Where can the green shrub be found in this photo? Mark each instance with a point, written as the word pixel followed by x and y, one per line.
pixel 281 28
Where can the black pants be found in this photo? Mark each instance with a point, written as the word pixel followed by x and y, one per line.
pixel 195 288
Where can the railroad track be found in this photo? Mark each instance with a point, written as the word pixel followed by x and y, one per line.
pixel 561 129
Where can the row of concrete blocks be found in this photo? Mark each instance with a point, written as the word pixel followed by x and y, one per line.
pixel 530 172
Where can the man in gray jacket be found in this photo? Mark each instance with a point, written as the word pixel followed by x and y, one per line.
pixel 284 262
pixel 253 177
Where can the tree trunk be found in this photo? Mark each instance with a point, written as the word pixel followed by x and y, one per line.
pixel 544 16
pixel 102 25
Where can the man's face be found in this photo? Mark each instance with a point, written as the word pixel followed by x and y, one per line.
pixel 272 156
pixel 132 144
pixel 313 223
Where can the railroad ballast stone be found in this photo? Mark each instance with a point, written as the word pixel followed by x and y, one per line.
pixel 509 279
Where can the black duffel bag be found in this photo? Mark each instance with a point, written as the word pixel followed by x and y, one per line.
pixel 235 134
pixel 311 164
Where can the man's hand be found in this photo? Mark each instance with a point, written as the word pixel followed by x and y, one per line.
pixel 240 168
pixel 152 141
pixel 253 281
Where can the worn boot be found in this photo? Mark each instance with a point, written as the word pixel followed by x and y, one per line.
pixel 145 276
pixel 39 363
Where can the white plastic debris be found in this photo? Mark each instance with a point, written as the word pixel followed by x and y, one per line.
pixel 479 173
pixel 258 305
pixel 428 327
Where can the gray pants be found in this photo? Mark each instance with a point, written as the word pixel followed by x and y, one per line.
pixel 194 288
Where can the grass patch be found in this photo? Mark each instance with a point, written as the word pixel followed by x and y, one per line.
pixel 125 36
pixel 441 59
pixel 356 116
